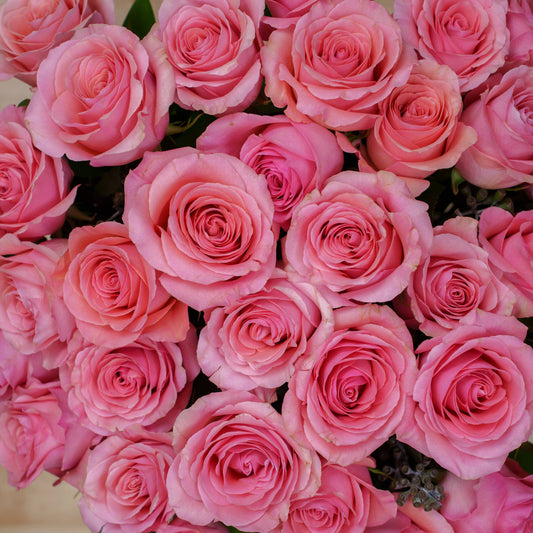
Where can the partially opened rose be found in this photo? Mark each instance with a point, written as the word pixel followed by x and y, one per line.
pixel 500 110
pixel 236 463
pixel 205 221
pixel 144 383
pixel 520 25
pixel 294 158
pixel 34 187
pixel 33 316
pixel 256 341
pixel 114 295
pixel 472 402
pixel 103 96
pixel 213 47
pixel 334 67
pixel 123 483
pixel 359 238
pixel 346 502
pixel 470 37
pixel 349 395
pixel 508 241
pixel 418 130
pixel 455 280
pixel 29 30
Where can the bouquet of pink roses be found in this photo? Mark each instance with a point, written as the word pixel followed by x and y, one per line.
pixel 269 268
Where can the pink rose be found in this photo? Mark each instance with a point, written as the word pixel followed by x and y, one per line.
pixel 500 110
pixel 346 399
pixel 146 383
pixel 29 30
pixel 520 26
pixel 123 483
pixel 237 464
pixel 204 221
pixel 418 130
pixel 13 368
pixel 497 503
pixel 331 68
pixel 508 240
pixel 103 96
pixel 292 9
pixel 34 187
pixel 455 280
pixel 113 293
pixel 473 397
pixel 359 238
pixel 256 341
pixel 39 433
pixel 32 315
pixel 470 37
pixel 181 526
pixel 346 502
pixel 411 519
pixel 294 158
pixel 213 48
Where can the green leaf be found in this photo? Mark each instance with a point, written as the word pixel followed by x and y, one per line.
pixel 24 103
pixel 524 456
pixel 140 18
pixel 457 179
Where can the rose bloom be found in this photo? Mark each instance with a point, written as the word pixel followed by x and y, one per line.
pixel 146 383
pixel 213 48
pixel 499 111
pixel 411 519
pixel 359 238
pixel 113 293
pixel 346 502
pixel 29 30
pixel 204 221
pixel 256 341
pixel 32 315
pixel 338 62
pixel 294 158
pixel 237 464
pixel 348 396
pixel 103 97
pixel 123 483
pixel 34 187
pixel 455 280
pixel 13 368
pixel 496 503
pixel 181 526
pixel 418 130
pixel 470 37
pixel 520 25
pixel 39 433
pixel 508 240
pixel 473 397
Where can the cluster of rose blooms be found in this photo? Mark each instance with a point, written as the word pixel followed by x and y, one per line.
pixel 311 277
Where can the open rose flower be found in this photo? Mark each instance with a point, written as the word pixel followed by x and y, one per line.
pixel 205 221
pixel 472 402
pixel 455 280
pixel 346 502
pixel 13 368
pixel 32 315
pixel 359 238
pixel 29 30
pixel 499 111
pixel 103 96
pixel 498 502
pixel 213 47
pixel 294 158
pixel 338 62
pixel 34 187
pixel 146 383
pixel 113 293
pixel 418 130
pixel 123 483
pixel 520 25
pixel 348 396
pixel 470 37
pixel 237 464
pixel 256 341
pixel 508 240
